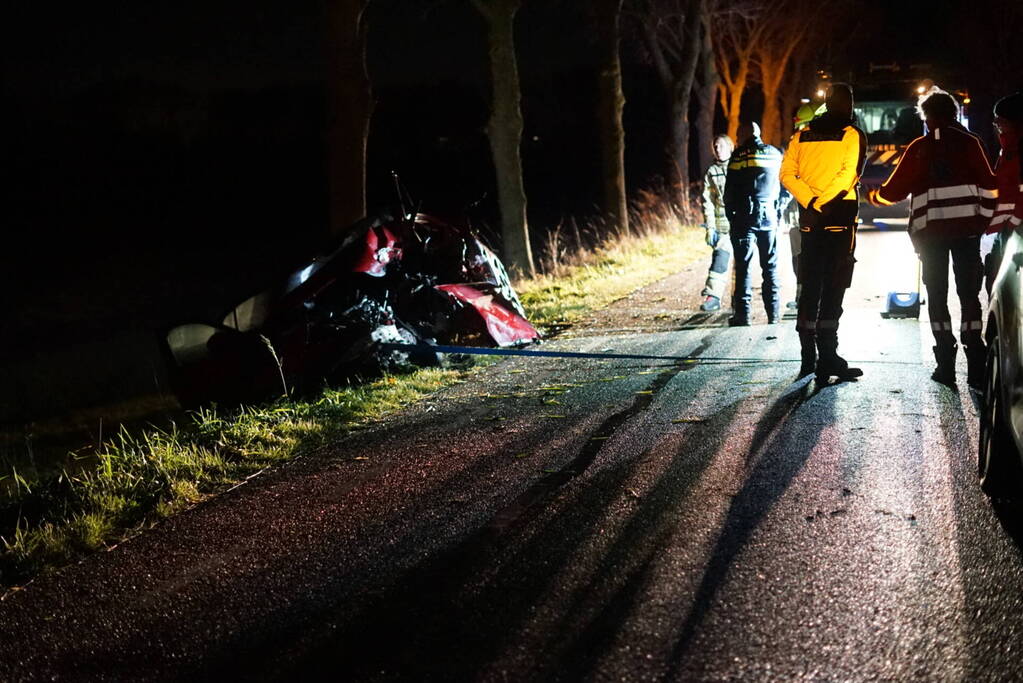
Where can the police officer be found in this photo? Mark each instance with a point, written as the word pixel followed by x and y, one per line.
pixel 752 207
pixel 821 169
pixel 716 224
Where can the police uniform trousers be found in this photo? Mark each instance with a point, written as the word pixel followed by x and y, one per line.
pixel 765 242
pixel 826 262
pixel 969 275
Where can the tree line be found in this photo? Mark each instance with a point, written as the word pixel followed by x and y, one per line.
pixel 707 56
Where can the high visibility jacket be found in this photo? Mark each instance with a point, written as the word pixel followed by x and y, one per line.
pixel 751 187
pixel 714 197
pixel 1009 210
pixel 824 163
pixel 953 187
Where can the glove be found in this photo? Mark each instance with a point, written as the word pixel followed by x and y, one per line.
pixel 712 237
pixel 812 205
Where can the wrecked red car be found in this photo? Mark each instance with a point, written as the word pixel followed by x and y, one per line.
pixel 415 280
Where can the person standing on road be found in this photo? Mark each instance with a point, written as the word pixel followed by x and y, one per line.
pixel 804 115
pixel 953 189
pixel 716 224
pixel 752 207
pixel 821 169
pixel 1009 211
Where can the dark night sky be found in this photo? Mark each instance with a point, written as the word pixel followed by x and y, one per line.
pixel 205 44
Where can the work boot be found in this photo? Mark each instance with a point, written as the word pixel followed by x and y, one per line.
pixel 830 364
pixel 738 321
pixel 945 357
pixel 976 359
pixel 711 303
pixel 835 366
pixel 807 357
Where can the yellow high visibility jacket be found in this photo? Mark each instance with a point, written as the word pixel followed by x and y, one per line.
pixel 825 161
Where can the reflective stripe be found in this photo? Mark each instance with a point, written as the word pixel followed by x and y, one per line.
pixel 941 326
pixel 971 325
pixel 1004 207
pixel 806 324
pixel 952 192
pixel 986 212
pixel 989 194
pixel 940 213
pixel 756 162
pixel 999 220
pixel 1015 221
pixel 827 324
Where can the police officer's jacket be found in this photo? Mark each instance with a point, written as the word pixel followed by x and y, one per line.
pixel 823 164
pixel 751 187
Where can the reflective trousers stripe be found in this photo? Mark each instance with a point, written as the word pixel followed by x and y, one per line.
pixel 971 325
pixel 939 326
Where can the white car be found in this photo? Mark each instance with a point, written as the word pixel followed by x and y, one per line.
pixel 1000 455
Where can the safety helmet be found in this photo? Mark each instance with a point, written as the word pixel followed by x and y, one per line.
pixel 804 115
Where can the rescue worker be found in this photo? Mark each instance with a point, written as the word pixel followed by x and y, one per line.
pixel 953 189
pixel 716 224
pixel 804 115
pixel 821 169
pixel 752 194
pixel 1009 210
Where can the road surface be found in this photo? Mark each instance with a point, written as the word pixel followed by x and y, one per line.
pixel 589 520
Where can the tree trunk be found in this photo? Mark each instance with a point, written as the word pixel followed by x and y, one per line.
pixel 505 133
pixel 733 104
pixel 770 124
pixel 611 105
pixel 679 147
pixel 350 111
pixel 706 97
pixel 677 78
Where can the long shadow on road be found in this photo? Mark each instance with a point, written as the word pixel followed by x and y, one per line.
pixel 777 453
pixel 452 615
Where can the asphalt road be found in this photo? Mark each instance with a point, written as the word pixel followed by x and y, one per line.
pixel 588 520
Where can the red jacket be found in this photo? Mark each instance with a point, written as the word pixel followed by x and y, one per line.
pixel 953 188
pixel 1009 211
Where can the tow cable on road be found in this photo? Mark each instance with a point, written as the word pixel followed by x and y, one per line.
pixel 479 351
pixel 716 360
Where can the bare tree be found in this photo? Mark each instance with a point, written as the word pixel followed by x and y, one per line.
pixel 784 35
pixel 706 93
pixel 671 36
pixel 505 132
pixel 611 105
pixel 738 27
pixel 351 108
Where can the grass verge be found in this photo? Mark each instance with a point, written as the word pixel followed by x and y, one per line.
pixel 142 476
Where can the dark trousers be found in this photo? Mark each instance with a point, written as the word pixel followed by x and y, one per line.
pixel 744 241
pixel 826 263
pixel 969 274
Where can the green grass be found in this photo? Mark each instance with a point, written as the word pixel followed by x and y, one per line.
pixel 144 475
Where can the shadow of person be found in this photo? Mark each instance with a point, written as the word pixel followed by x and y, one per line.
pixel 779 448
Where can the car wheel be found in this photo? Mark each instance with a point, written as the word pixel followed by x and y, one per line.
pixel 998 462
